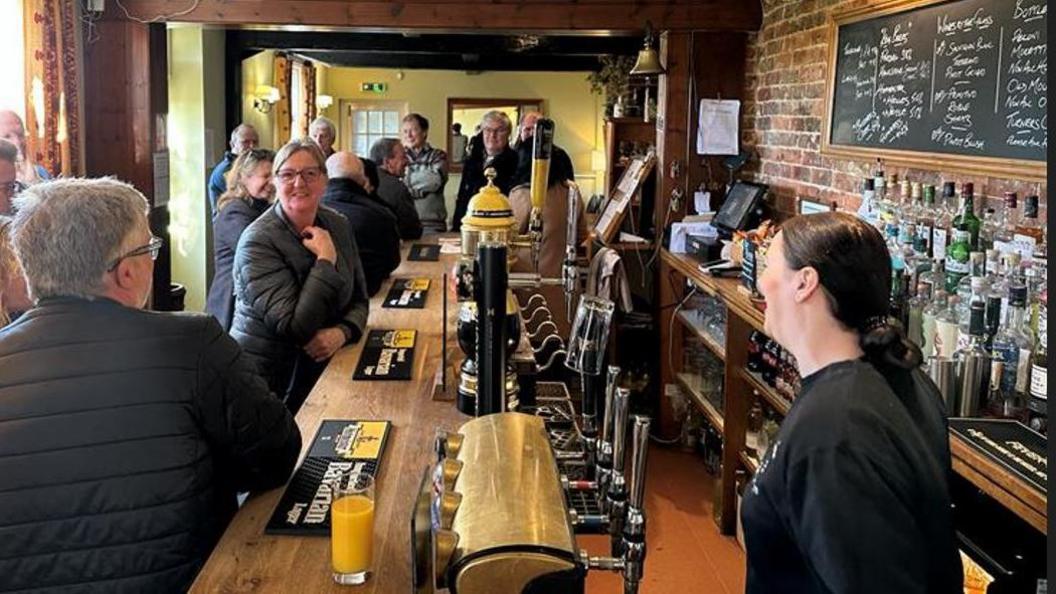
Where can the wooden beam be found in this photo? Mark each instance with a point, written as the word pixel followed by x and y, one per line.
pixel 526 15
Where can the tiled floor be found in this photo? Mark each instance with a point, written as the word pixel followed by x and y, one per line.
pixel 686 553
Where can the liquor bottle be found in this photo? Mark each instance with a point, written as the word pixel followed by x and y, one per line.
pixel 1008 270
pixel 964 314
pixel 944 217
pixel 925 213
pixel 964 226
pixel 1038 403
pixel 928 321
pixel 754 363
pixel 1013 346
pixel 907 215
pixel 986 229
pixel 1029 226
pixel 868 211
pixel 992 294
pixel 973 365
pixel 915 323
pixel 946 329
pixel 1004 226
pixel 966 287
pixel 966 218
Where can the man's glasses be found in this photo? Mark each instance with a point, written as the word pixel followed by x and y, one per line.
pixel 153 247
pixel 309 175
pixel 495 131
pixel 12 188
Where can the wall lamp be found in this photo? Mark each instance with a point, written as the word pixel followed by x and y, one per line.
pixel 266 96
pixel 324 101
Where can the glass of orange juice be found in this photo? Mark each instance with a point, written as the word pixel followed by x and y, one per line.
pixel 352 527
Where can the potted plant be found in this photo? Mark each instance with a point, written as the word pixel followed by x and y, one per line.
pixel 613 81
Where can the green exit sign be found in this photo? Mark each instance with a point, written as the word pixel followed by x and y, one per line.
pixel 374 87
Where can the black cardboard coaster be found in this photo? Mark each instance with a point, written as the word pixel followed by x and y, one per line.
pixel 305 505
pixel 407 293
pixel 387 355
pixel 424 252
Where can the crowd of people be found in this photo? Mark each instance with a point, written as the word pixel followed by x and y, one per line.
pixel 131 432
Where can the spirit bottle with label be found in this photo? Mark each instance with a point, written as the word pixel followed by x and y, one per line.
pixel 964 237
pixel 966 218
pixel 929 317
pixel 1004 225
pixel 1029 225
pixel 1038 403
pixel 973 365
pixel 1012 349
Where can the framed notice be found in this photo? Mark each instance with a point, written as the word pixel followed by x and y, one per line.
pixel 386 355
pixel 615 208
pixel 339 446
pixel 407 293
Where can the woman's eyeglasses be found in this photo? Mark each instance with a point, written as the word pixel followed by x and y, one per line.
pixel 309 175
pixel 153 247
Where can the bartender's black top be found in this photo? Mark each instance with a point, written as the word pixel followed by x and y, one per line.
pixel 853 494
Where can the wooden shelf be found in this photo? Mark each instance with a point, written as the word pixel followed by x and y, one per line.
pixel 749 462
pixel 631 246
pixel 709 341
pixel 712 414
pixel 769 394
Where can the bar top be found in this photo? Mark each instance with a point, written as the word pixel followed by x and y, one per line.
pixel 247 559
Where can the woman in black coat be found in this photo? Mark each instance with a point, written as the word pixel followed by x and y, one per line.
pixel 300 292
pixel 249 193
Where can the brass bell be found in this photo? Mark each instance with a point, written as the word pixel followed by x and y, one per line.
pixel 648 62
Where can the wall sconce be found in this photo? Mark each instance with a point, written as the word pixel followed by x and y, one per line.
pixel 266 96
pixel 324 101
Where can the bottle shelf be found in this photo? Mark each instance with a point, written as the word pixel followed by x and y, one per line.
pixel 710 412
pixel 771 396
pixel 701 333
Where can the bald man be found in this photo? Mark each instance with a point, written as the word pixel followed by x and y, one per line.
pixel 560 163
pixel 373 222
pixel 13 131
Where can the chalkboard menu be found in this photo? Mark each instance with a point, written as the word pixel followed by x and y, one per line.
pixel 963 79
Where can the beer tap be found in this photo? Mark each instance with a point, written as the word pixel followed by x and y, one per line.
pixel 603 467
pixel 630 540
pixel 634 527
pixel 570 267
pixel 616 495
pixel 542 146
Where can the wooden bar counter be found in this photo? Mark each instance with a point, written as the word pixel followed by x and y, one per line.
pixel 246 559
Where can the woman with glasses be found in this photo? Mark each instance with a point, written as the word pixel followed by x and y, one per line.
pixel 300 292
pixel 852 496
pixel 249 193
pixel 494 151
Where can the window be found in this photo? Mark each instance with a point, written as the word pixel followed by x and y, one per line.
pixel 297 115
pixel 367 123
pixel 12 40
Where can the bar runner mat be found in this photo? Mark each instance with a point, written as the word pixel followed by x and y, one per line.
pixel 338 446
pixel 1009 443
pixel 407 293
pixel 424 252
pixel 387 355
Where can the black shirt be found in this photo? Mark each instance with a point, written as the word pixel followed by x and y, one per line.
pixel 374 227
pixel 852 497
pixel 505 164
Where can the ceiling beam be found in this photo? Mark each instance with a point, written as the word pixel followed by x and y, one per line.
pixel 524 15
pixel 490 62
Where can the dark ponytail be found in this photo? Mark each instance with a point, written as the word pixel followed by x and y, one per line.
pixel 854 269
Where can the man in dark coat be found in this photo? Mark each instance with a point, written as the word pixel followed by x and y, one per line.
pixel 494 152
pixel 373 224
pixel 391 159
pixel 243 138
pixel 126 433
pixel 560 163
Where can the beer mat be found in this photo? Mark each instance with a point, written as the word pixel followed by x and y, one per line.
pixel 387 355
pixel 338 446
pixel 424 252
pixel 407 293
pixel 1011 444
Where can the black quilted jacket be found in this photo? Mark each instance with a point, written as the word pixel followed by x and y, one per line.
pixel 283 295
pixel 124 437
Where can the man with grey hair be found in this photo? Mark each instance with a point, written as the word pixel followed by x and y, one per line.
pixel 243 138
pixel 324 133
pixel 126 433
pixel 373 223
pixel 391 158
pixel 9 184
pixel 495 152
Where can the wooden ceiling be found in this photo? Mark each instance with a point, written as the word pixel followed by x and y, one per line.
pixel 628 16
pixel 479 51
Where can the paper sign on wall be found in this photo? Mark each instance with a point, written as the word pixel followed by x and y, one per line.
pixel 717 129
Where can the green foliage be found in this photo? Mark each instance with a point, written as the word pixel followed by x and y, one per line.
pixel 613 80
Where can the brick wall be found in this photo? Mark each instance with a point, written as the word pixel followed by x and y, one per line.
pixel 784 106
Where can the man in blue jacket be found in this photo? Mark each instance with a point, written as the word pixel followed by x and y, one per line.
pixel 243 138
pixel 126 433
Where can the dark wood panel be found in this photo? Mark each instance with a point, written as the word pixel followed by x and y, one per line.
pixel 622 15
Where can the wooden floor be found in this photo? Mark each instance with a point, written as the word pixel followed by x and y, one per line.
pixel 687 555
